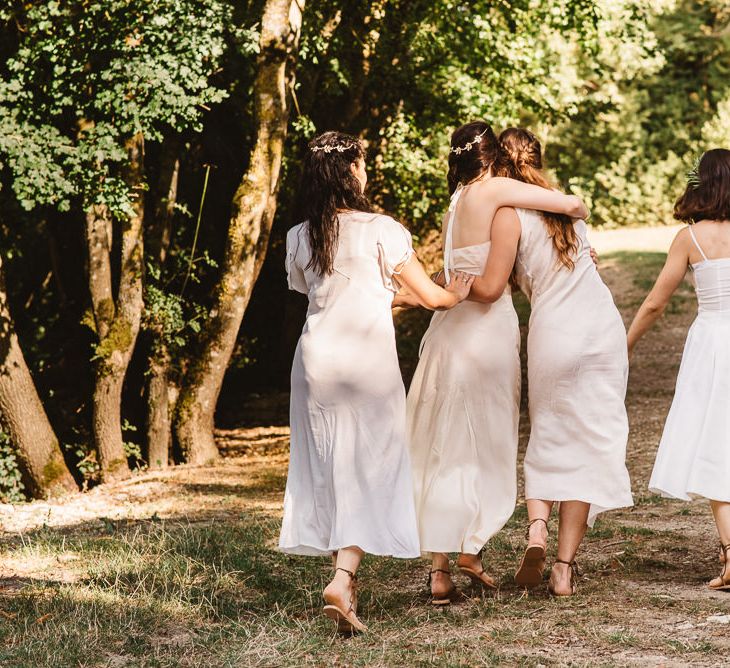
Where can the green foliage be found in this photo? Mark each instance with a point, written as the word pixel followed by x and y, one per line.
pixel 11 485
pixel 88 75
pixel 421 69
pixel 629 153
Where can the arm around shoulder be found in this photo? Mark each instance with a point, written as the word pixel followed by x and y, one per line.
pixel 509 192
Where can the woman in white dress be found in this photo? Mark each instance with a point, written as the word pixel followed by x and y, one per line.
pixel 463 403
pixel 577 370
pixel 693 460
pixel 349 488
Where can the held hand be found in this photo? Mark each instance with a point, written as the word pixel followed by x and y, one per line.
pixel 594 256
pixel 460 284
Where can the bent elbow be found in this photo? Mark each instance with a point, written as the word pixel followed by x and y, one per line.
pixel 577 208
pixel 655 308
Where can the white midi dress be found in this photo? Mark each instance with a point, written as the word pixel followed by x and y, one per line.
pixel 349 481
pixel 463 416
pixel 577 369
pixel 694 453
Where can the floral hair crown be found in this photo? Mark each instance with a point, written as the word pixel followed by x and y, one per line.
pixel 468 146
pixel 693 175
pixel 328 148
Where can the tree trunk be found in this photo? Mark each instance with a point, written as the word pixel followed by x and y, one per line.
pixel 159 410
pixel 253 209
pixel 22 415
pixel 117 321
pixel 159 434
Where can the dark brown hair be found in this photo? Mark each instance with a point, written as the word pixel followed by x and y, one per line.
pixel 522 160
pixel 328 185
pixel 707 196
pixel 467 165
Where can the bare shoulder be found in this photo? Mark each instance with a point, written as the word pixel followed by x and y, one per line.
pixel 682 240
pixel 498 182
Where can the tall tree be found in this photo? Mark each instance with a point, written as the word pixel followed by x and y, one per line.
pixel 253 209
pixel 94 82
pixel 117 316
pixel 22 415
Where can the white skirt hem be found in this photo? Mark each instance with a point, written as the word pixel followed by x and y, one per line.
pixel 319 551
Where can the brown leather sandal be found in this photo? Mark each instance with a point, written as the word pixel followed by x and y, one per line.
pixel 347 621
pixel 442 599
pixel 723 581
pixel 573 578
pixel 478 577
pixel 530 571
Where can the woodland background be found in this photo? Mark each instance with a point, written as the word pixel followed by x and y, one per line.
pixel 149 157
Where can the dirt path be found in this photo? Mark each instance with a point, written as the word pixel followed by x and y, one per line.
pixel 642 596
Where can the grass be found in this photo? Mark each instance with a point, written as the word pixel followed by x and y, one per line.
pixel 204 586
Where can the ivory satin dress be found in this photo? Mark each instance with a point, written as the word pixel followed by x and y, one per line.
pixel 694 454
pixel 577 369
pixel 349 481
pixel 463 415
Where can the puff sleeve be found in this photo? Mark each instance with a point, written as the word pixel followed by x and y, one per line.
pixel 294 273
pixel 395 248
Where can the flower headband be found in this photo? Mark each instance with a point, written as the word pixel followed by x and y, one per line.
pixel 468 146
pixel 328 148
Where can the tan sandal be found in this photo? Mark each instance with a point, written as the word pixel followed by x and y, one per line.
pixel 442 599
pixel 478 577
pixel 723 581
pixel 573 578
pixel 531 568
pixel 347 622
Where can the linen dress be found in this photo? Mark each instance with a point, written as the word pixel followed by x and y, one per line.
pixel 349 481
pixel 577 372
pixel 694 453
pixel 463 415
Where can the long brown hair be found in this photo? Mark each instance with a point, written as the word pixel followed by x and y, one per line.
pixel 328 185
pixel 707 196
pixel 522 161
pixel 468 164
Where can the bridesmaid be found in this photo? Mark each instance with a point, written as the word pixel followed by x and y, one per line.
pixel 349 488
pixel 694 454
pixel 577 370
pixel 463 403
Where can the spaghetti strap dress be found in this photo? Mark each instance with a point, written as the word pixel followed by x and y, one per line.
pixel 577 369
pixel 349 481
pixel 693 459
pixel 463 414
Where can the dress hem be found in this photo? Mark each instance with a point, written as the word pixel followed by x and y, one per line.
pixel 316 551
pixel 686 495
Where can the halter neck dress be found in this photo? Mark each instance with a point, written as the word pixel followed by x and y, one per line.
pixel 463 414
pixel 349 481
pixel 577 368
pixel 693 459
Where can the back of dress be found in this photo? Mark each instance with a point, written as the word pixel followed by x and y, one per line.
pixel 545 280
pixel 712 283
pixel 694 454
pixel 577 371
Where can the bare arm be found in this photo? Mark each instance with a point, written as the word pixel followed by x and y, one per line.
pixel 508 192
pixel 505 234
pixel 420 290
pixel 666 284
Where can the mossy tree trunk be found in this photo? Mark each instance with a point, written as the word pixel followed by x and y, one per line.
pixel 158 234
pixel 117 319
pixel 253 209
pixel 23 417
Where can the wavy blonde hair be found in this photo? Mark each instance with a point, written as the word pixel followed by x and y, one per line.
pixel 522 161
